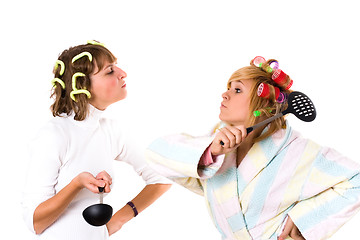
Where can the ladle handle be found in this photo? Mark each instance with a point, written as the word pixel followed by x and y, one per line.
pixel 101 190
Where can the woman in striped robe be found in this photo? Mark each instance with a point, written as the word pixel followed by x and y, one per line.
pixel 271 183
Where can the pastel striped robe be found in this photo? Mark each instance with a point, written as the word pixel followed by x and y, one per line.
pixel 282 175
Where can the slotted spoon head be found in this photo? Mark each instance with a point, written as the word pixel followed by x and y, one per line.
pixel 301 106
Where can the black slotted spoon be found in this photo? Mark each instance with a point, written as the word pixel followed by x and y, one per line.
pixel 298 104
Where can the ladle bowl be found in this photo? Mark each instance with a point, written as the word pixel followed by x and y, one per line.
pixel 98 214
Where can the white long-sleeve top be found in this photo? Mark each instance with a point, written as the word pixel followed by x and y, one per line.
pixel 64 148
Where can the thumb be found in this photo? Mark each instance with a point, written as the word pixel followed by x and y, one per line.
pixel 95 184
pixel 99 183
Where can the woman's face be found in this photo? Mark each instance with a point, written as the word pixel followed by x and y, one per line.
pixel 107 86
pixel 234 108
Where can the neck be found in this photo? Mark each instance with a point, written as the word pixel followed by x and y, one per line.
pixel 98 106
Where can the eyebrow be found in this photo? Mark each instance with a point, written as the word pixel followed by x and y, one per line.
pixel 110 65
pixel 238 81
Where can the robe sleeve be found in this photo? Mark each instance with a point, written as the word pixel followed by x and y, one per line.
pixel 177 157
pixel 330 196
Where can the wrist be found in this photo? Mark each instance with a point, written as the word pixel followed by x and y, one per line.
pixel 122 216
pixel 133 207
pixel 207 158
pixel 76 182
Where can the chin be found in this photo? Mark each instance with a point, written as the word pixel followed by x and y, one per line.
pixel 122 96
pixel 231 122
pixel 224 119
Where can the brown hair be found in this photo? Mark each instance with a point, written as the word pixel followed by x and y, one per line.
pixel 63 104
pixel 268 107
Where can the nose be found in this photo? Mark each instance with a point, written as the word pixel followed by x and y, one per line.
pixel 225 95
pixel 121 74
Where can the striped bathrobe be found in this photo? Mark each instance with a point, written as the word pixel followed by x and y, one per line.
pixel 283 175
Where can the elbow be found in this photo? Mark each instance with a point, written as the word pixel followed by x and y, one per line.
pixel 31 221
pixel 38 232
pixel 38 229
pixel 160 187
pixel 164 187
pixel 40 226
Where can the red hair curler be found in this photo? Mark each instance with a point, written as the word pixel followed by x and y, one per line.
pixel 281 79
pixel 264 91
pixel 290 84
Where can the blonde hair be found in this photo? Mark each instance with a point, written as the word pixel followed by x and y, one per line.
pixel 267 106
pixel 63 104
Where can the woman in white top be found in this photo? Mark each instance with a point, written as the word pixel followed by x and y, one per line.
pixel 72 154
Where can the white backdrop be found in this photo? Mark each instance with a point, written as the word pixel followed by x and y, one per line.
pixel 178 56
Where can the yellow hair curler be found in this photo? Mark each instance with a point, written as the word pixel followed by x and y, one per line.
pixel 75 90
pixel 61 82
pixel 80 55
pixel 93 42
pixel 62 66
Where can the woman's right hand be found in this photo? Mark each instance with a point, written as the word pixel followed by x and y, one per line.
pixel 230 136
pixel 50 210
pixel 87 180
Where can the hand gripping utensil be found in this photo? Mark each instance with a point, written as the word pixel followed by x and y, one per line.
pixel 298 104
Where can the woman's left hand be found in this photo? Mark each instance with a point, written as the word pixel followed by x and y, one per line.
pixel 290 230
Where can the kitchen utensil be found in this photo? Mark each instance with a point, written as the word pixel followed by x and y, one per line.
pixel 298 104
pixel 98 214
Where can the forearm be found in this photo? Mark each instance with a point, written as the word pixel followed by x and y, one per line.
pixel 50 210
pixel 149 195
pixel 144 199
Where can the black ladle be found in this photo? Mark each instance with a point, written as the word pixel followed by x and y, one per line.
pixel 298 104
pixel 98 214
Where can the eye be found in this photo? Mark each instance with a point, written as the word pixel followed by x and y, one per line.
pixel 237 90
pixel 111 71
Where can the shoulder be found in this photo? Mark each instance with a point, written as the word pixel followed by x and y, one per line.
pixel 53 130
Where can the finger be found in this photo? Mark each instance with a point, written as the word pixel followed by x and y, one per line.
pixel 296 234
pixel 230 140
pixel 217 147
pixel 222 139
pixel 238 132
pixel 104 176
pixel 106 180
pixel 97 183
pixel 287 229
pixel 107 188
pixel 93 187
pixel 243 131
